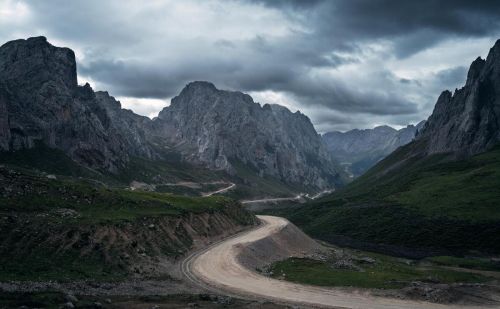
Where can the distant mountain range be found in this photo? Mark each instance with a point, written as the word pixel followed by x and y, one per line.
pixel 358 150
pixel 41 103
pixel 437 195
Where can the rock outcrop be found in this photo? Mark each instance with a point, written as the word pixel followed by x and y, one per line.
pixel 42 102
pixel 467 122
pixel 220 128
pixel 358 150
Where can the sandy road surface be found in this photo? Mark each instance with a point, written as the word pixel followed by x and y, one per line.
pixel 217 268
pixel 232 185
pixel 273 199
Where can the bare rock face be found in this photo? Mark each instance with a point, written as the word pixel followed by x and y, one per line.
pixel 358 150
pixel 40 101
pixel 218 128
pixel 467 122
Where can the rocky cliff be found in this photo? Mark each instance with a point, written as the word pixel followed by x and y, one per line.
pixel 358 150
pixel 216 128
pixel 41 101
pixel 467 122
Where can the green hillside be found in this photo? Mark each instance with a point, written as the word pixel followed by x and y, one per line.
pixel 65 228
pixel 414 205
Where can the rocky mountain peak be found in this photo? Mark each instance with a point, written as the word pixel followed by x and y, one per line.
pixel 475 70
pixel 35 61
pixel 40 102
pixel 216 128
pixel 467 122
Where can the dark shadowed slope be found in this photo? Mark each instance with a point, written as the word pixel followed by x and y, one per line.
pixel 437 194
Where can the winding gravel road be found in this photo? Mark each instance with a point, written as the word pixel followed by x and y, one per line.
pixel 217 268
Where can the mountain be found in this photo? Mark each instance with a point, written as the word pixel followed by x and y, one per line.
pixel 358 150
pixel 467 122
pixel 437 195
pixel 41 103
pixel 220 128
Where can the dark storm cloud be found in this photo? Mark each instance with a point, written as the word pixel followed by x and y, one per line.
pixel 452 77
pixel 411 25
pixel 341 61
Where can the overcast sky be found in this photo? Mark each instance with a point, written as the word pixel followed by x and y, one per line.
pixel 346 64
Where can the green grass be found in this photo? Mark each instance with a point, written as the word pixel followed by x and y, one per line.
pixel 96 203
pixel 38 243
pixel 428 203
pixel 48 299
pixel 472 263
pixel 251 185
pixel 42 265
pixel 48 160
pixel 384 274
pixel 161 171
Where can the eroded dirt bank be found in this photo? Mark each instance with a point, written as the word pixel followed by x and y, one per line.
pixel 138 257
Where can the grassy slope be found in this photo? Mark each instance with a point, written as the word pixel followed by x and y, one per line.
pixel 30 206
pixel 169 170
pixel 427 203
pixel 386 273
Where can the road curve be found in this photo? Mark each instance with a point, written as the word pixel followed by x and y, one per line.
pixel 223 190
pixel 217 268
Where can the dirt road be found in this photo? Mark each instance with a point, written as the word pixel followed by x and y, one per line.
pixel 273 199
pixel 217 268
pixel 225 189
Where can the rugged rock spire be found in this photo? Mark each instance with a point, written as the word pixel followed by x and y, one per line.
pixel 40 101
pixel 467 122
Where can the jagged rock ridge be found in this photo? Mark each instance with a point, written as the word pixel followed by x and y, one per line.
pixel 358 150
pixel 216 127
pixel 467 122
pixel 40 101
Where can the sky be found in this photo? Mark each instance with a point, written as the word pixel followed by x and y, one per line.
pixel 344 63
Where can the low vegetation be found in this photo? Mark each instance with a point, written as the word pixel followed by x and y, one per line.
pixel 65 228
pixel 383 273
pixel 432 204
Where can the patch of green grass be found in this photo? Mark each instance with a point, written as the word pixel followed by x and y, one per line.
pixel 415 202
pixel 386 274
pixel 96 203
pixel 48 160
pixel 49 300
pixel 160 171
pixel 472 263
pixel 42 265
pixel 251 185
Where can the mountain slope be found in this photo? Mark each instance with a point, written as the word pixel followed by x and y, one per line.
pixel 358 150
pixel 42 102
pixel 204 128
pixel 216 128
pixel 438 194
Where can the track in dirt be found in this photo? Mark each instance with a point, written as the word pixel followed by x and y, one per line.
pixel 217 269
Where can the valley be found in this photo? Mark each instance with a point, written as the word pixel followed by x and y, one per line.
pixel 215 200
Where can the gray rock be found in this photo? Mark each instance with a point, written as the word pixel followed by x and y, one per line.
pixel 467 121
pixel 40 101
pixel 71 298
pixel 358 150
pixel 68 305
pixel 218 129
